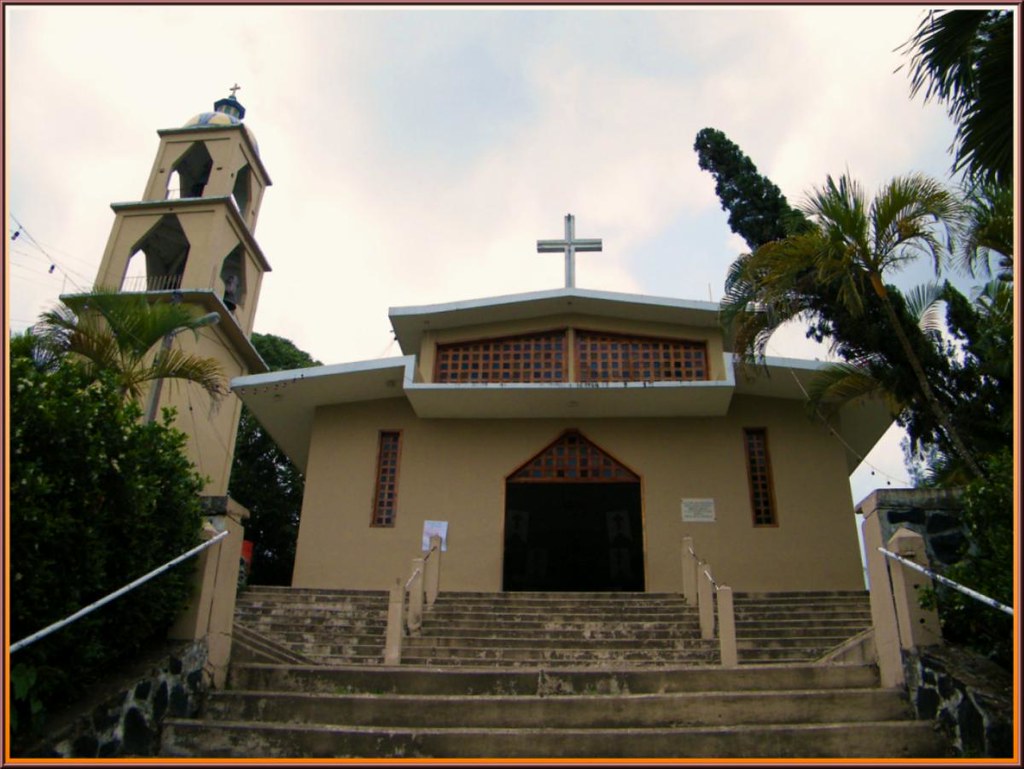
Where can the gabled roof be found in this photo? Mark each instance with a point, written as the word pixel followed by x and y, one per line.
pixel 409 323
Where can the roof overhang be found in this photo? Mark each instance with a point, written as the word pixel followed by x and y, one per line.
pixel 409 323
pixel 285 402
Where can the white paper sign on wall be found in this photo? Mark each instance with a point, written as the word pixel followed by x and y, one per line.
pixel 432 528
pixel 699 510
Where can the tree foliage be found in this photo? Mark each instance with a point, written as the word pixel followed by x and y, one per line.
pixel 758 211
pixel 265 481
pixel 97 499
pixel 117 334
pixel 965 59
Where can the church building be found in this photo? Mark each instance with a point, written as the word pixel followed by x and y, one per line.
pixel 567 440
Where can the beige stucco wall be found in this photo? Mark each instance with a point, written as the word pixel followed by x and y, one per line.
pixel 455 470
pixel 211 425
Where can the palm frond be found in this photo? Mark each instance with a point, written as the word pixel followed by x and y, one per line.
pixel 841 383
pixel 924 302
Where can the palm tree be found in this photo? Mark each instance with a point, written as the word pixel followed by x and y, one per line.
pixel 839 269
pixel 119 333
pixel 965 58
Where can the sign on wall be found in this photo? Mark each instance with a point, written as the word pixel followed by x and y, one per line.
pixel 699 510
pixel 432 528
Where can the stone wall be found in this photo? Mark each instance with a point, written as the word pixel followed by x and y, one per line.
pixel 968 696
pixel 932 513
pixel 124 717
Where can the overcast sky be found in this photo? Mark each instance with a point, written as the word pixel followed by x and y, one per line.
pixel 417 154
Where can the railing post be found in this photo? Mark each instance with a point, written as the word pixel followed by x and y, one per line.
pixel 689 572
pixel 726 627
pixel 396 619
pixel 883 613
pixel 415 618
pixel 705 605
pixel 918 626
pixel 432 577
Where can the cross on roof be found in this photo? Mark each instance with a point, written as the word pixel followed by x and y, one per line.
pixel 235 87
pixel 570 245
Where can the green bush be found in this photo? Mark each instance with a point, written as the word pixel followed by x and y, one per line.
pixel 97 499
pixel 987 567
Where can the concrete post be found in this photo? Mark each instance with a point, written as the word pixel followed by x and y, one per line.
pixel 918 626
pixel 210 614
pixel 415 620
pixel 396 619
pixel 883 612
pixel 705 604
pixel 726 628
pixel 432 578
pixel 689 572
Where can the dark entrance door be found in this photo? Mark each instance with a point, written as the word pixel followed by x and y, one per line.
pixel 573 537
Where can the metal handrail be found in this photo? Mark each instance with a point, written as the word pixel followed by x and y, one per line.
pixel 116 594
pixel 945 581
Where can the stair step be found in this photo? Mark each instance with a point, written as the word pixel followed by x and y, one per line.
pixel 213 739
pixel 408 680
pixel 563 711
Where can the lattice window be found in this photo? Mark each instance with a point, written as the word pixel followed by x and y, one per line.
pixel 573 459
pixel 385 498
pixel 614 358
pixel 529 358
pixel 759 474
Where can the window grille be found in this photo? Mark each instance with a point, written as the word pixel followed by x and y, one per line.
pixel 613 358
pixel 385 499
pixel 528 358
pixel 759 474
pixel 572 458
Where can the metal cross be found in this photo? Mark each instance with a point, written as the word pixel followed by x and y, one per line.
pixel 235 87
pixel 570 245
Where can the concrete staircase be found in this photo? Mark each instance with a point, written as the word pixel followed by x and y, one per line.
pixel 528 675
pixel 574 629
pixel 797 627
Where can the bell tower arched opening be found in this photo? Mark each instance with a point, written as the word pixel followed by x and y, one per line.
pixel 242 191
pixel 232 275
pixel 157 261
pixel 573 521
pixel 191 174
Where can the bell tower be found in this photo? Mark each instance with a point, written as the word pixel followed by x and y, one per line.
pixel 190 239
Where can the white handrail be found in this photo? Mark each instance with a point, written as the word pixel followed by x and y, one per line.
pixel 956 586
pixel 710 579
pixel 410 580
pixel 116 594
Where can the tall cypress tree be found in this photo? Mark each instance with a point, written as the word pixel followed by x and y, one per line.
pixel 758 211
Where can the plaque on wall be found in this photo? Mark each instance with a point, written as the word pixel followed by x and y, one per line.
pixel 440 528
pixel 699 510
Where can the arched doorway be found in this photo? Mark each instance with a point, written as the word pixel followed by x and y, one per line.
pixel 573 521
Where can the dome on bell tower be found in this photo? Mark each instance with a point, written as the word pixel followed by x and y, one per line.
pixel 226 112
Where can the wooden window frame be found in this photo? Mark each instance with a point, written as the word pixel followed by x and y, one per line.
pixel 381 480
pixel 685 347
pixel 484 361
pixel 759 479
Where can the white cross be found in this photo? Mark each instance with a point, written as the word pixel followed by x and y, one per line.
pixel 570 245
